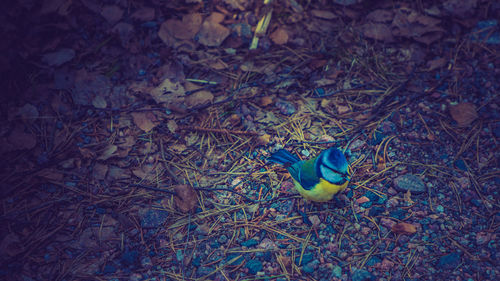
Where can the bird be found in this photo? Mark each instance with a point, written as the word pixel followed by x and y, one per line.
pixel 317 179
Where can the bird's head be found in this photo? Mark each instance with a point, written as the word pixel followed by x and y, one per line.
pixel 332 166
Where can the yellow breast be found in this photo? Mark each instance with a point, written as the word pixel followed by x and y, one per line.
pixel 321 192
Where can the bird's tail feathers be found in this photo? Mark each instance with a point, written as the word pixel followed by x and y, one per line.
pixel 283 157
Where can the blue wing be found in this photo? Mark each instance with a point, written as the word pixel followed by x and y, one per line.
pixel 283 157
pixel 303 172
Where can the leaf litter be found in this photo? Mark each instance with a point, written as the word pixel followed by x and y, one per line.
pixel 136 135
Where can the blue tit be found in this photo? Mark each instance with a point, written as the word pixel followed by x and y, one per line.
pixel 319 178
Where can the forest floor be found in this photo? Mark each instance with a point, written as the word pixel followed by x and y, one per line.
pixel 135 136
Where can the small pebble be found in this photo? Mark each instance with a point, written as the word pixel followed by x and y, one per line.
pixel 409 182
pixel 439 208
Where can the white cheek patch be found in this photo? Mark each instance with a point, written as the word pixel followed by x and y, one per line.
pixel 330 175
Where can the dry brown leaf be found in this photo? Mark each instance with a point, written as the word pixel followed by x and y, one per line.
pixel 144 14
pixel 378 31
pixel 279 36
pixel 460 8
pixel 404 228
pixel 436 63
pixel 380 16
pixel 411 24
pixel 342 108
pixel 264 139
pixel 20 140
pixel 212 33
pixel 186 198
pixel 173 29
pixel 127 142
pixel 108 152
pixel 199 98
pixel 216 17
pixel 407 198
pixel 178 148
pixel 237 4
pixel 464 113
pixel 28 113
pixel 51 174
pixel 168 92
pixel 265 101
pixel 166 33
pixel 99 171
pixel 144 120
pixel 172 126
pixel 145 172
pixel 362 117
pixel 429 38
pixel 112 13
pixel 190 25
pixel 218 64
pixel 322 14
pixel 99 102
pixel 11 245
pixel 50 6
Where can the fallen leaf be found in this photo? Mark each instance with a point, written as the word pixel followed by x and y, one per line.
pixel 51 174
pixel 11 245
pixel 380 16
pixel 144 120
pixel 460 8
pixel 378 31
pixel 144 14
pixel 286 261
pixel 237 4
pixel 218 64
pixel 342 108
pixel 186 198
pixel 407 197
pixel 178 148
pixel 199 98
pixel 116 173
pixel 58 57
pixel 253 208
pixel 212 33
pixel 21 140
pixel 436 63
pixel 125 32
pixel 265 101
pixel 92 5
pixel 264 139
pixel 99 171
pixel 187 28
pixel 362 199
pixel 347 2
pixel 28 112
pixel 50 6
pixel 464 113
pixel 108 152
pixel 411 24
pixel 323 14
pixel 145 172
pixel 112 13
pixel 168 92
pixel 429 38
pixel 99 102
pixel 172 126
pixel 279 36
pixel 404 228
